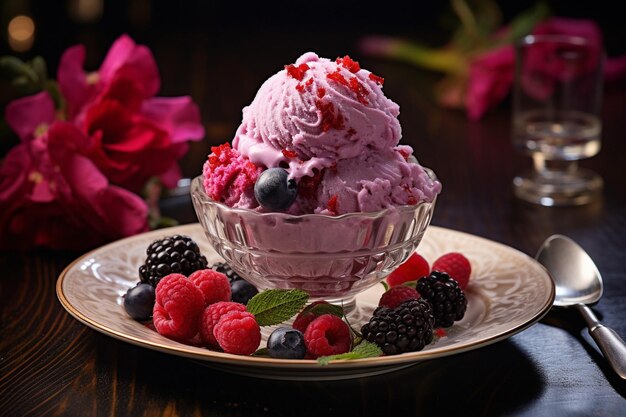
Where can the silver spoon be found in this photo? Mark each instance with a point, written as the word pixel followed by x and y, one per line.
pixel 578 282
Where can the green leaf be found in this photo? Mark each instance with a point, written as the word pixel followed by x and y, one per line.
pixel 41 70
pixel 262 352
pixel 385 285
pixel 363 350
pixel 524 23
pixel 275 306
pixel 321 309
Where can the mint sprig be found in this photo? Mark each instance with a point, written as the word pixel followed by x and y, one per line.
pixel 363 350
pixel 276 306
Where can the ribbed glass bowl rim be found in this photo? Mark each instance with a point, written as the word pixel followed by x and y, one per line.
pixel 198 189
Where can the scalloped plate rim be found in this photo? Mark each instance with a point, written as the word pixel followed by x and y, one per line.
pixel 309 366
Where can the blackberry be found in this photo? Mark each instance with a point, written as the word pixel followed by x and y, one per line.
pixel 172 254
pixel 445 296
pixel 406 328
pixel 225 269
pixel 242 290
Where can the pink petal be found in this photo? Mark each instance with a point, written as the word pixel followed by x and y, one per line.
pixel 170 178
pixel 490 80
pixel 135 59
pixel 574 27
pixel 179 116
pixel 615 69
pixel 26 114
pixel 13 172
pixel 73 81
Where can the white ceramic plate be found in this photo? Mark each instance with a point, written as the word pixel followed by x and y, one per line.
pixel 508 292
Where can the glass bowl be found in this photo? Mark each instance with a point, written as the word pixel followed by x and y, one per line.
pixel 331 257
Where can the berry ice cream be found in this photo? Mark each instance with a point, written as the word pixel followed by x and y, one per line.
pixel 329 126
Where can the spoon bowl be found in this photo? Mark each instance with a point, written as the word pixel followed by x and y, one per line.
pixel 575 275
pixel 578 283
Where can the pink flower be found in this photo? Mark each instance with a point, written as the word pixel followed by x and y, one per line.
pixel 51 193
pixel 490 80
pixel 136 136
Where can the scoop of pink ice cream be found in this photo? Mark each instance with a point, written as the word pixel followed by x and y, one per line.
pixel 229 177
pixel 372 182
pixel 330 126
pixel 316 112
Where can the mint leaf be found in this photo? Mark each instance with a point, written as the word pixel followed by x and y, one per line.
pixel 363 350
pixel 275 306
pixel 321 309
pixel 262 352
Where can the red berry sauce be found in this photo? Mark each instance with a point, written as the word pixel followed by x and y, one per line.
pixel 289 154
pixel 332 205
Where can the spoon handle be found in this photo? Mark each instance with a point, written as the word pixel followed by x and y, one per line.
pixel 609 342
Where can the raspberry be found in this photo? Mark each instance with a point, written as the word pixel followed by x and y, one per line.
pixel 456 265
pixel 411 270
pixel 214 285
pixel 238 332
pixel 177 307
pixel 397 295
pixel 327 335
pixel 211 315
pixel 303 319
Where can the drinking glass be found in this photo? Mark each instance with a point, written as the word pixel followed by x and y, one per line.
pixel 556 118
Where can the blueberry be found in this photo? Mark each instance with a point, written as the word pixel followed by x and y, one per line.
pixel 286 343
pixel 139 301
pixel 274 190
pixel 242 291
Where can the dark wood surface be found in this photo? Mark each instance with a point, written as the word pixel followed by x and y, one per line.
pixel 50 364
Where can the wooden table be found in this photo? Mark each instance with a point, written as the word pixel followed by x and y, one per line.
pixel 50 364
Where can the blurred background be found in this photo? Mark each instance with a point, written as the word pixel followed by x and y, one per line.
pixel 219 52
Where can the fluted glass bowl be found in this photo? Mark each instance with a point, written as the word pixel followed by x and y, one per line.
pixel 330 257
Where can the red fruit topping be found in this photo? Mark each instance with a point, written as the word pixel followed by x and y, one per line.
pixel 348 63
pixel 321 91
pixel 332 205
pixel 223 162
pixel 327 335
pixel 214 285
pixel 297 72
pixel 289 154
pixel 393 297
pixel 376 78
pixel 337 77
pixel 456 265
pixel 211 315
pixel 300 87
pixel 307 187
pixel 411 270
pixel 238 332
pixel 359 90
pixel 218 154
pixel 177 307
pixel 405 154
pixel 309 82
pixel 330 120
pixel 303 319
pixel 440 332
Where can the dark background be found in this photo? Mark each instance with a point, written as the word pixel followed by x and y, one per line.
pixel 219 52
